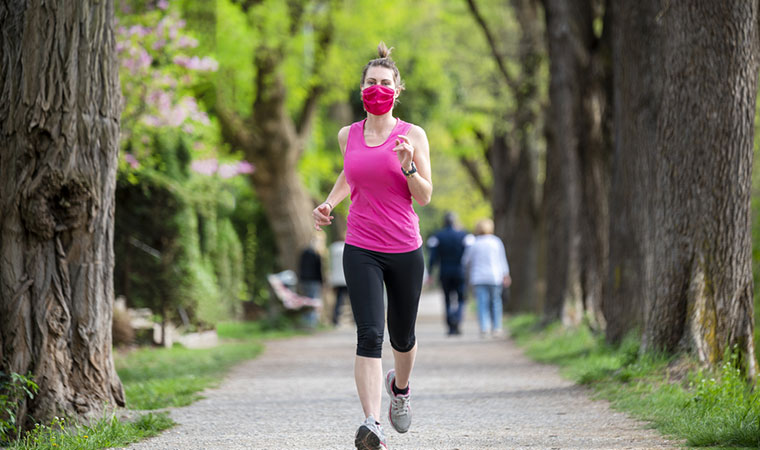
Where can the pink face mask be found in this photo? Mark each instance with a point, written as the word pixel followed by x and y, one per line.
pixel 378 99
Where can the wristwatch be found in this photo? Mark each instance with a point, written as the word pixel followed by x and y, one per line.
pixel 411 171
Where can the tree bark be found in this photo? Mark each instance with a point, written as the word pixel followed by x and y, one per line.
pixel 636 99
pixel 562 190
pixel 703 298
pixel 594 156
pixel 59 131
pixel 512 157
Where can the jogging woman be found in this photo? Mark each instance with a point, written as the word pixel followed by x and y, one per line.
pixel 386 163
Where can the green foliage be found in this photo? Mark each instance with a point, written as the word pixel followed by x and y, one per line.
pixel 175 244
pixel 705 408
pixel 15 389
pixel 105 433
pixel 755 217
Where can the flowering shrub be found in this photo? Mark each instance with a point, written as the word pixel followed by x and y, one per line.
pixel 174 195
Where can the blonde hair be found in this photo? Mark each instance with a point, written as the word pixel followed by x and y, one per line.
pixel 384 60
pixel 484 226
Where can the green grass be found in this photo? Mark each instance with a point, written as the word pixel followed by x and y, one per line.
pixel 158 378
pixel 105 433
pixel 155 378
pixel 705 409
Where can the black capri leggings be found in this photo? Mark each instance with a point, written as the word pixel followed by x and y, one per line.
pixel 366 270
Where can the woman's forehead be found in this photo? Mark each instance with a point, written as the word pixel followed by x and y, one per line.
pixel 380 73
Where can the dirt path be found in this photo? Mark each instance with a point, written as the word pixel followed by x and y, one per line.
pixel 468 393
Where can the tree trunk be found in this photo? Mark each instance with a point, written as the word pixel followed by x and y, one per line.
pixel 521 228
pixel 59 131
pixel 512 157
pixel 636 99
pixel 274 141
pixel 275 152
pixel 703 298
pixel 594 150
pixel 287 206
pixel 562 186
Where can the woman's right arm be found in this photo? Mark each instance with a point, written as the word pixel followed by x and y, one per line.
pixel 340 190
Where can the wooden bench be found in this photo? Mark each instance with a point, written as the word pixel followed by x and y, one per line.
pixel 289 299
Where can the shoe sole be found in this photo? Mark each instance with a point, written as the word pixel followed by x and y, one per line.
pixel 367 440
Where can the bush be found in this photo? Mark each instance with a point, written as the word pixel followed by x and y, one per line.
pixel 14 390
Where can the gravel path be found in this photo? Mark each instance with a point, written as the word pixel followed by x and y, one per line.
pixel 468 393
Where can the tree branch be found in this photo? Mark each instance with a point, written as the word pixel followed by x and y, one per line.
pixel 324 40
pixel 471 167
pixel 234 129
pixel 492 43
pixel 246 5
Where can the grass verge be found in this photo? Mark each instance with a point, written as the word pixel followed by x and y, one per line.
pixel 715 409
pixel 105 433
pixel 155 378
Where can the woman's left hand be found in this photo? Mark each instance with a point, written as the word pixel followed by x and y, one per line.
pixel 404 151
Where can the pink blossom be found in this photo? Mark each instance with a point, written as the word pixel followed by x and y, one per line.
pixel 187 42
pixel 140 59
pixel 200 116
pixel 205 166
pixel 228 170
pixel 131 160
pixel 159 44
pixel 244 167
pixel 139 30
pixel 163 4
pixel 152 121
pixel 194 63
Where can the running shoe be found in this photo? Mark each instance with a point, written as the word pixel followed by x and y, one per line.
pixel 400 410
pixel 370 436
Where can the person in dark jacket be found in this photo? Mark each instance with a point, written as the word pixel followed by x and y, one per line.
pixel 446 248
pixel 310 276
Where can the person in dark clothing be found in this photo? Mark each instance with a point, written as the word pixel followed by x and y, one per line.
pixel 310 277
pixel 446 248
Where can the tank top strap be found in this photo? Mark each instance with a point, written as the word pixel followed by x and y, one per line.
pixel 402 128
pixel 355 132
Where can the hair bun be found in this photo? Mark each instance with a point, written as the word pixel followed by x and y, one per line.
pixel 383 51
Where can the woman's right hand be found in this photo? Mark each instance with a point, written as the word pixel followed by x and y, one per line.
pixel 322 216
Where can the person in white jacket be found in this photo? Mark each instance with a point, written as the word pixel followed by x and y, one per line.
pixel 485 263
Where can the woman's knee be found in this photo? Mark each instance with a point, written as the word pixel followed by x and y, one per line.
pixel 403 343
pixel 369 341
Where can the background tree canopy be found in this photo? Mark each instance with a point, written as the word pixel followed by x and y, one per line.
pixel 271 82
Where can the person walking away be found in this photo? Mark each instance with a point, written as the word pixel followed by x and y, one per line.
pixel 386 164
pixel 310 277
pixel 487 269
pixel 337 277
pixel 446 248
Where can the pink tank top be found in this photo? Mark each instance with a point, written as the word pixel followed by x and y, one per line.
pixel 381 217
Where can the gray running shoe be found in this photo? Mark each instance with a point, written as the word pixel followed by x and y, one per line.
pixel 370 436
pixel 400 410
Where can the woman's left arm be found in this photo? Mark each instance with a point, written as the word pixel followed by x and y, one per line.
pixel 415 147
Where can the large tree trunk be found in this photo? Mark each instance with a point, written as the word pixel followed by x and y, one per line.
pixel 59 119
pixel 512 157
pixel 562 186
pixel 636 100
pixel 703 298
pixel 520 230
pixel 594 145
